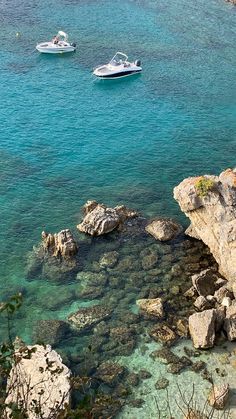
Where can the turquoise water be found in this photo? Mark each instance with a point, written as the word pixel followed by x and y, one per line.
pixel 66 138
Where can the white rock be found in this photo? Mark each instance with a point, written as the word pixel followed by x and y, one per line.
pixel 38 378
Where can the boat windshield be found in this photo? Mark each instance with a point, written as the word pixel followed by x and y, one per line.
pixel 119 58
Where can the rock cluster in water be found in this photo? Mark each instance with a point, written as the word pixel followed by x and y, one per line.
pixel 99 219
pixel 121 271
pixel 38 382
pixel 210 203
pixel 216 308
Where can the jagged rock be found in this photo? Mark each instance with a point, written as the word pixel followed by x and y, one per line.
pixel 230 322
pixel 100 219
pixel 38 378
pixel 210 203
pixel 62 244
pixel 164 229
pixel 201 303
pixel 205 282
pixel 221 293
pixel 110 373
pixel 218 396
pixel 191 292
pixel 87 317
pixel 182 327
pixel 151 307
pixel 202 328
pixel 50 331
pixel 191 232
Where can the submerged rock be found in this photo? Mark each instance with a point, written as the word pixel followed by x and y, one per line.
pixel 151 307
pixel 218 396
pixel 50 331
pixel 163 333
pixel 202 328
pixel 38 380
pixel 164 229
pixel 110 373
pixel 87 317
pixel 161 383
pixel 109 260
pixel 210 203
pixel 100 219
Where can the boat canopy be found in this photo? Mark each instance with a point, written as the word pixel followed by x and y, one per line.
pixel 119 57
pixel 63 35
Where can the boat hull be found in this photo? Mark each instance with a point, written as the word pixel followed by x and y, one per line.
pixel 117 75
pixel 55 49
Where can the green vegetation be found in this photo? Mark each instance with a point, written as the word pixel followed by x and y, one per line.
pixel 203 186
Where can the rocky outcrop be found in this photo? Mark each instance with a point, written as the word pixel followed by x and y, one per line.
pixel 151 307
pixel 202 328
pixel 61 245
pixel 210 203
pixel 38 382
pixel 54 258
pixel 87 317
pixel 164 229
pixel 100 219
pixel 218 396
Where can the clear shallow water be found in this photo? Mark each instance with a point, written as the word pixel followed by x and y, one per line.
pixel 66 138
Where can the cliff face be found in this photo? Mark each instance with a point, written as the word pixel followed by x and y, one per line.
pixel 210 204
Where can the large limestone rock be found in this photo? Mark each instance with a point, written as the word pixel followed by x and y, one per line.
pixel 210 203
pixel 100 219
pixel 164 229
pixel 38 380
pixel 202 328
pixel 87 317
pixel 60 244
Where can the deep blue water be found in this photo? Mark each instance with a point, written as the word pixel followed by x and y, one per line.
pixel 66 138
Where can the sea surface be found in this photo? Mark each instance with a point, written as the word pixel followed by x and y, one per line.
pixel 66 137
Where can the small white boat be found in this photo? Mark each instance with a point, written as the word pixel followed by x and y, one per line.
pixel 58 45
pixel 118 67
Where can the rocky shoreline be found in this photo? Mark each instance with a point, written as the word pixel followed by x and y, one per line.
pixel 137 284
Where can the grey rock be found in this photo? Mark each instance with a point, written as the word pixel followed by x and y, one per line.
pixel 202 328
pixel 100 219
pixel 223 292
pixel 164 229
pixel 201 303
pixel 230 322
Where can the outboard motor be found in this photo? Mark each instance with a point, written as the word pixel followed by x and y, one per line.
pixel 137 63
pixel 73 44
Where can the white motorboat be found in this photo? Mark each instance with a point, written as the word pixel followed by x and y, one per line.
pixel 58 45
pixel 118 67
